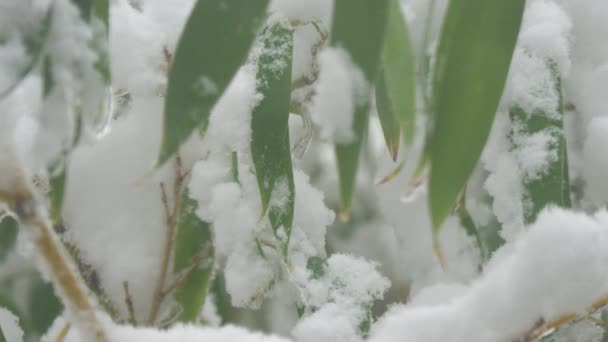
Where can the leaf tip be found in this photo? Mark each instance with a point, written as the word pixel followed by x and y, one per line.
pixel 344 215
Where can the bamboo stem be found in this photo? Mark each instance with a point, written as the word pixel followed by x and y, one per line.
pixel 33 218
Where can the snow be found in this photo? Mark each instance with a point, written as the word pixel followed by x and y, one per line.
pixel 595 163
pixel 9 326
pixel 523 284
pixel 340 90
pixel 180 332
pixel 515 155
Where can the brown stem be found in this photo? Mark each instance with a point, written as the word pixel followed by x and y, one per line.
pixel 63 275
pixel 539 330
pixel 181 278
pixel 171 222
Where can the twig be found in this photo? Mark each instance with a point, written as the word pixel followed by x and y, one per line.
pixel 129 302
pixel 181 278
pixel 171 222
pixel 64 332
pixel 540 330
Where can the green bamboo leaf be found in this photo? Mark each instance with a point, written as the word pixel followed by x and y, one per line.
pixel 399 74
pixel 34 45
pixel 553 186
pixel 8 235
pixel 387 116
pixel 358 28
pixel 472 62
pixel 213 44
pixel 270 130
pixel 193 248
pixel 44 306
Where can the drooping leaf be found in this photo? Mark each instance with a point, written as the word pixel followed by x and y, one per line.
pixel 398 71
pixel 193 248
pixel 553 185
pixel 472 62
pixel 387 116
pixel 8 235
pixel 213 44
pixel 358 28
pixel 270 149
pixel 34 46
pixel 44 306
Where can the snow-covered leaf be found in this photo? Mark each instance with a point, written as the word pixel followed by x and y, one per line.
pixel 358 28
pixel 471 67
pixel 269 126
pixel 194 254
pixel 551 186
pixel 213 44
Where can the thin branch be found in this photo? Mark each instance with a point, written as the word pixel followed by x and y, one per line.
pixel 181 278
pixel 171 214
pixel 169 239
pixel 64 332
pixel 544 328
pixel 129 303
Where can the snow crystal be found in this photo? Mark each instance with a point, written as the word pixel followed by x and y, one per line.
pixel 341 89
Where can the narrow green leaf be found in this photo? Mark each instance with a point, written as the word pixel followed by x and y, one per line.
pixel 552 186
pixel 34 45
pixel 8 235
pixel 270 149
pixel 358 28
pixel 193 247
pixel 44 306
pixel 399 72
pixel 213 44
pixel 472 62
pixel 387 116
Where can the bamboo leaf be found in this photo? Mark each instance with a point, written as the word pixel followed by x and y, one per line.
pixel 269 127
pixel 193 247
pixel 8 235
pixel 472 62
pixel 553 185
pixel 213 44
pixel 358 28
pixel 44 306
pixel 398 71
pixel 387 116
